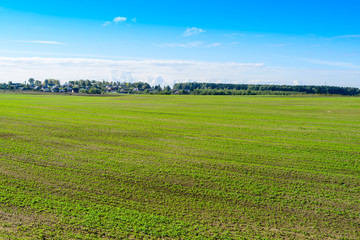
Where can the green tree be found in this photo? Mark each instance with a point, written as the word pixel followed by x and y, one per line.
pixel 87 83
pixel 31 81
pixel 81 83
pixel 94 90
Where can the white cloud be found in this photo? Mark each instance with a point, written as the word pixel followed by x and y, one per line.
pixel 333 63
pixel 349 36
pixel 295 82
pixel 183 45
pixel 277 45
pixel 194 44
pixel 45 42
pixel 165 72
pixel 213 45
pixel 193 31
pixel 234 35
pixel 107 23
pixel 119 19
pixel 168 72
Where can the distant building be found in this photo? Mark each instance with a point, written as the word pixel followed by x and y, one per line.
pixel 123 91
pixel 55 89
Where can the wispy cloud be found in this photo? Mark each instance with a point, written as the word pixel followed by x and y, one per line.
pixel 333 63
pixel 119 19
pixel 213 45
pixel 194 44
pixel 296 82
pixel 168 72
pixel 349 36
pixel 107 23
pixel 234 35
pixel 45 42
pixel 165 71
pixel 183 45
pixel 193 31
pixel 277 45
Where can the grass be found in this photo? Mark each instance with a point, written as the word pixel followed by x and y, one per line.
pixel 179 167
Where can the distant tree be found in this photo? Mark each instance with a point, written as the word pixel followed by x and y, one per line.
pixel 31 81
pixel 81 83
pixel 87 83
pixel 183 92
pixel 54 82
pixel 146 86
pixel 94 90
pixel 158 88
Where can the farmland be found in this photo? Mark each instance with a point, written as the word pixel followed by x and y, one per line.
pixel 179 167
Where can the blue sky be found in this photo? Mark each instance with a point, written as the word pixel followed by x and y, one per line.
pixel 163 42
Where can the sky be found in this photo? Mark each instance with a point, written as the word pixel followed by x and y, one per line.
pixel 164 42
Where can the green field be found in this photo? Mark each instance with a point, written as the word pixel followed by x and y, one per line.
pixel 179 167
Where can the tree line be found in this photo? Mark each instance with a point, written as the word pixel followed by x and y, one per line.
pixel 192 88
pixel 261 89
